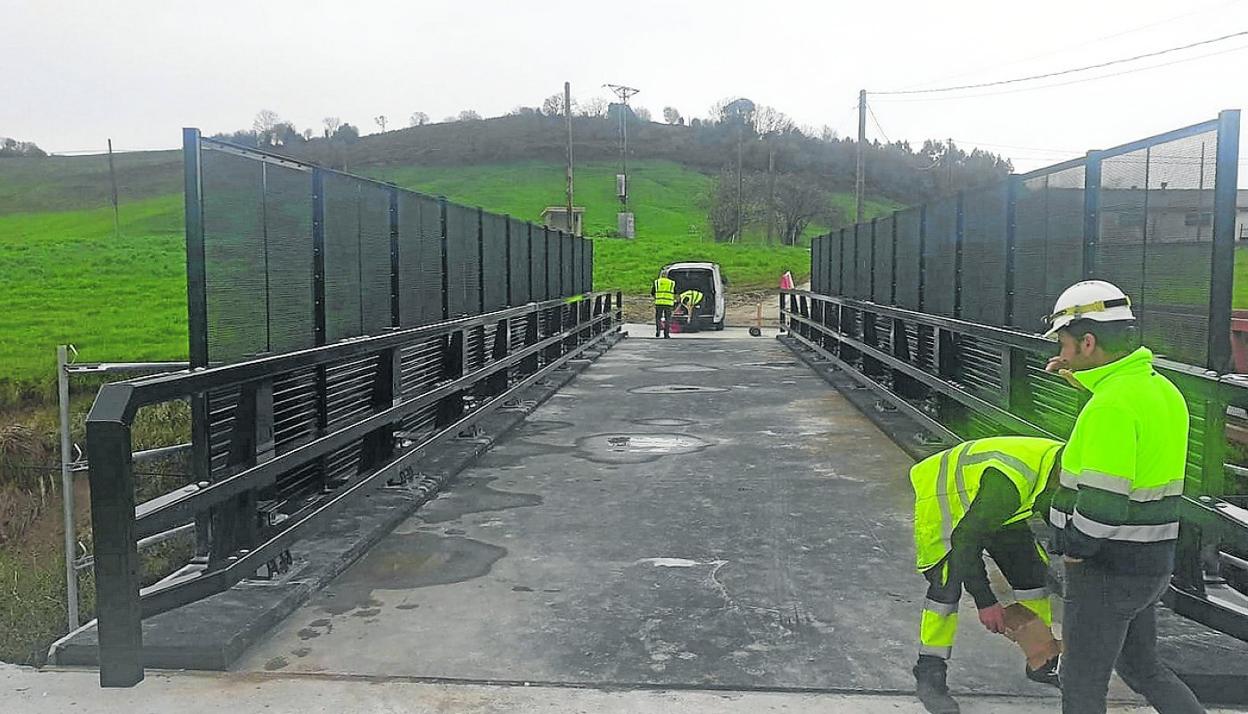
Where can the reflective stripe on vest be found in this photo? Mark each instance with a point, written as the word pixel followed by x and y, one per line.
pixel 945 485
pixel 664 292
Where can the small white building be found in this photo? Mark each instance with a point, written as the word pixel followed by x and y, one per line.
pixel 557 217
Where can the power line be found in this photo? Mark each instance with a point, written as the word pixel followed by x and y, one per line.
pixel 1072 81
pixel 1072 70
pixel 1084 43
pixel 876 121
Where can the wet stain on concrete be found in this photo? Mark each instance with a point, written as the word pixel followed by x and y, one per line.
pixel 323 622
pixel 371 612
pixel 522 589
pixel 302 652
pixel 308 633
pixel 780 364
pixel 407 606
pixel 405 562
pixel 540 426
pixel 664 421
pixel 678 368
pixel 636 448
pixel 475 495
pixel 675 389
pixel 276 663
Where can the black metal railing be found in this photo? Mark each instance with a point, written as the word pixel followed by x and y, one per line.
pixel 419 386
pixel 963 380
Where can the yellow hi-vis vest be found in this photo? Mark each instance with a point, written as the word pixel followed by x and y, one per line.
pixel 692 298
pixel 945 484
pixel 664 292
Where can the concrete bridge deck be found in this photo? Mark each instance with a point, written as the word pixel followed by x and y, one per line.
pixel 685 513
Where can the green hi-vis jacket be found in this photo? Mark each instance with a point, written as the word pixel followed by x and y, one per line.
pixel 945 484
pixel 1122 471
pixel 664 292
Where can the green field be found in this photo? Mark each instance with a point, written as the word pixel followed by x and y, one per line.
pixel 65 278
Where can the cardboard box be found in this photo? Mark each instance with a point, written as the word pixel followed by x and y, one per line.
pixel 1033 636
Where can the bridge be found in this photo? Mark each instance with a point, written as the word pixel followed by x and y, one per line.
pixel 427 451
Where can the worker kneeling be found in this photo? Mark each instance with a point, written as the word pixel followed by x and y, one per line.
pixel 974 497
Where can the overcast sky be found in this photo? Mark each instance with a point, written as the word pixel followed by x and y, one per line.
pixel 77 73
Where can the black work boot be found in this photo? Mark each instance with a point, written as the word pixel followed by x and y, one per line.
pixel 1046 673
pixel 929 679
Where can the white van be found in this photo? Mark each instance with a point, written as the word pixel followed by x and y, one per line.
pixel 706 278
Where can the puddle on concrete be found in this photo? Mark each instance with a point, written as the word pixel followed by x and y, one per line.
pixel 636 448
pixel 664 421
pixel 770 365
pixel 674 389
pixel 677 368
pixel 474 495
pixel 540 426
pixel 416 560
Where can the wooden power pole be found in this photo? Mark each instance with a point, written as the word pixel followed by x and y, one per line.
pixel 567 111
pixel 859 180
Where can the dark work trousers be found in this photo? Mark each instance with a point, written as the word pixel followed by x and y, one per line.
pixel 662 320
pixel 1109 622
pixel 1015 552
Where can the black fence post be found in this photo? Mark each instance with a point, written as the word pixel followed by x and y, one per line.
pixel 446 271
pixel 320 336
pixel 1011 244
pixel 922 256
pixel 395 317
pixel 1222 276
pixel 117 562
pixel 1091 212
pixel 197 317
pixel 871 283
pixel 510 300
pixel 378 447
pixel 957 256
pixel 892 291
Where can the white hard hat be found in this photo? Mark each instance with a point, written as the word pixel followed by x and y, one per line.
pixel 1089 300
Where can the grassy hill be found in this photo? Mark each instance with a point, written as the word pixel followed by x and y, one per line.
pixel 64 277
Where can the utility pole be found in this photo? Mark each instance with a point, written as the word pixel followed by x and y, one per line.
pixel 949 164
pixel 112 175
pixel 567 111
pixel 624 93
pixel 859 180
pixel 740 181
pixel 771 191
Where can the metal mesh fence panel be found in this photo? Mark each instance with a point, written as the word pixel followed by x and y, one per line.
pixel 554 255
pixel 576 265
pixel 420 260
pixel 862 261
pixel 984 225
pixel 234 253
pixel 588 266
pixel 342 258
pixel 539 245
pixel 1156 240
pixel 519 273
pixel 940 253
pixel 835 262
pixel 1048 239
pixel 849 263
pixel 909 223
pixel 494 261
pixel 288 258
pixel 567 256
pixel 463 279
pixel 374 239
pixel 883 282
pixel 817 265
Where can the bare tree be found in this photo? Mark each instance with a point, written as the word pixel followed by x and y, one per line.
pixel 671 116
pixel 768 121
pixel 418 119
pixel 468 115
pixel 552 106
pixel 642 113
pixel 381 122
pixel 331 125
pixel 799 200
pixel 265 120
pixel 594 108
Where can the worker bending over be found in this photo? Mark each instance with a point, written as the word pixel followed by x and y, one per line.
pixel 974 497
pixel 689 299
